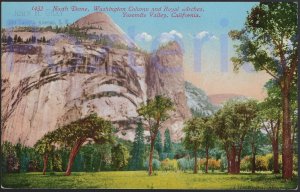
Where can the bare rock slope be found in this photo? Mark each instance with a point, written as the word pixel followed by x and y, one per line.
pixel 46 85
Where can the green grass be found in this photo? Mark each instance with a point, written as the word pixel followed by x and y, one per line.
pixel 140 180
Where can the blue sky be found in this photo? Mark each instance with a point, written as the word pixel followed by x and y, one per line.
pixel 217 18
pixel 213 65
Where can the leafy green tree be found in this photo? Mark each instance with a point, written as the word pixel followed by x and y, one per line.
pixel 57 162
pixel 158 146
pixel 231 124
pixel 167 142
pixel 155 111
pixel 193 130
pixel 179 150
pixel 9 158
pixel 138 150
pixel 120 156
pixel 45 147
pixel 75 134
pixel 254 139
pixel 103 156
pixel 268 41
pixel 270 115
pixel 79 131
pixel 87 155
pixel 207 139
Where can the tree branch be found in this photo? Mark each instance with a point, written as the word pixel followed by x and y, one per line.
pixel 270 73
pixel 292 68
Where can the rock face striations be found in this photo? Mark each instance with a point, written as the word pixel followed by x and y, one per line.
pixel 46 85
pixel 165 77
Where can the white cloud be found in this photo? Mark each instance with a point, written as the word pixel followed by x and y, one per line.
pixel 206 34
pixel 143 37
pixel 214 38
pixel 170 36
pixel 173 32
pixel 202 34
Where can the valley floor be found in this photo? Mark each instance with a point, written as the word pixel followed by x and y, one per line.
pixel 140 180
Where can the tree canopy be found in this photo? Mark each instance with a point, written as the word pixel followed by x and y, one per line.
pixel 269 42
pixel 74 134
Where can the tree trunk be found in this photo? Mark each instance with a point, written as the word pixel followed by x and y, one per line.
pixel 253 157
pixel 287 158
pixel 45 159
pixel 206 166
pixel 228 164
pixel 231 160
pixel 275 156
pixel 73 154
pixel 234 161
pixel 195 161
pixel 228 159
pixel 238 163
pixel 151 156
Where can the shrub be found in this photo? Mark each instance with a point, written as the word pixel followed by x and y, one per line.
pixel 34 166
pixel 262 163
pixel 155 164
pixel 184 164
pixel 202 164
pixel 223 163
pixel 271 161
pixel 246 164
pixel 169 165
pixel 10 162
pixel 214 164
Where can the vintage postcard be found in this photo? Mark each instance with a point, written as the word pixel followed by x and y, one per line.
pixel 149 95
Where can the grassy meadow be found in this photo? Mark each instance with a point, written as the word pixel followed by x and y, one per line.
pixel 140 180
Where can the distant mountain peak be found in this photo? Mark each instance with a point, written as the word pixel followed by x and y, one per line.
pixel 100 24
pixel 219 99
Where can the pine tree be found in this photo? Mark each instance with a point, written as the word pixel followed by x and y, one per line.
pixel 15 38
pixel 138 150
pixel 33 38
pixel 167 142
pixel 9 40
pixel 158 146
pixel 4 38
pixel 19 39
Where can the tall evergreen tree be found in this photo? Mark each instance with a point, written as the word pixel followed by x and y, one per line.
pixel 167 142
pixel 138 150
pixel 15 38
pixel 19 39
pixel 9 40
pixel 158 146
pixel 3 38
